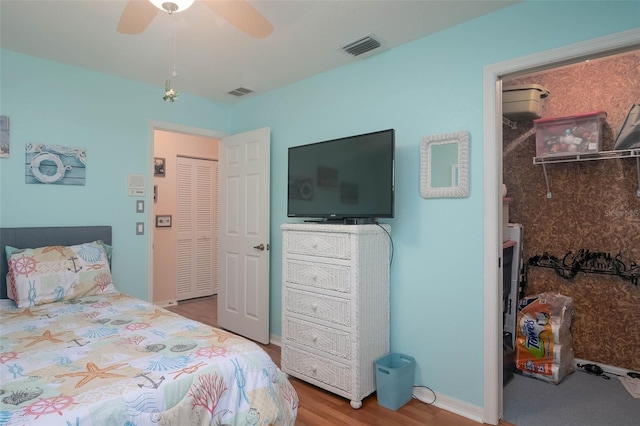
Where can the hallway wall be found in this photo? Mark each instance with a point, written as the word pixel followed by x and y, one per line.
pixel 169 145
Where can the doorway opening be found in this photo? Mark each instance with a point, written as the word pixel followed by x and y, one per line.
pixel 168 140
pixel 493 179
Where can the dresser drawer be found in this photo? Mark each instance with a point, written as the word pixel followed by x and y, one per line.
pixel 325 339
pixel 318 368
pixel 333 309
pixel 324 244
pixel 318 275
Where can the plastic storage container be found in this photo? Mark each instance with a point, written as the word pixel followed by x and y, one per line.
pixel 576 134
pixel 523 101
pixel 394 379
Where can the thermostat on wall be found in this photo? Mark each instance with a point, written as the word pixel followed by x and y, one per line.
pixel 136 185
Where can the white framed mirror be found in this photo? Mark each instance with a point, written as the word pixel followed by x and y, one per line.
pixel 444 165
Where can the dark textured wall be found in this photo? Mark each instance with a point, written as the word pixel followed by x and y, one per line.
pixel 593 206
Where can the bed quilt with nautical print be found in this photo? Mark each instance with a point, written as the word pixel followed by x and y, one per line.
pixel 116 360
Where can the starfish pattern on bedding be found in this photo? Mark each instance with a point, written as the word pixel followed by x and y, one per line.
pixel 158 313
pixel 25 313
pixel 219 334
pixel 59 249
pixel 93 372
pixel 45 336
pixel 118 296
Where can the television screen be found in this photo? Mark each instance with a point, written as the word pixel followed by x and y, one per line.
pixel 351 177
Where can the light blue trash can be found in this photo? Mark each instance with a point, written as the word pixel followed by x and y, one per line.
pixel 394 379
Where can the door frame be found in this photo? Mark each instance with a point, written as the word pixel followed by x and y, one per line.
pixel 173 128
pixel 492 167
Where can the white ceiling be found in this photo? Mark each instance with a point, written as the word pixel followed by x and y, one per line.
pixel 212 56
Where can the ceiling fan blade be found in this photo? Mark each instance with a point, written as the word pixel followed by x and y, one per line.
pixel 244 16
pixel 137 15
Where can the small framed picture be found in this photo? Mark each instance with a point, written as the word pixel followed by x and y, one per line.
pixel 4 136
pixel 159 165
pixel 163 221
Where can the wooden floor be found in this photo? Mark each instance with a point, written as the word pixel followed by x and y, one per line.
pixel 319 407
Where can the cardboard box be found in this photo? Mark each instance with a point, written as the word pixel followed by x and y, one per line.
pixel 571 135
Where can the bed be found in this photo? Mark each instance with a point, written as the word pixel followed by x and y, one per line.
pixel 76 357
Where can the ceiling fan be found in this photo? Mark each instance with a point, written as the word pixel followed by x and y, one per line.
pixel 137 15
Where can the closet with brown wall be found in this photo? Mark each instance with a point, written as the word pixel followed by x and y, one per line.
pixel 594 205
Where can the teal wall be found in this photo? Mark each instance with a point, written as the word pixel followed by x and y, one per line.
pixel 55 104
pixel 429 86
pixel 426 87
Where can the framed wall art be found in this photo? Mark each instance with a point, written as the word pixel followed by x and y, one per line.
pixel 5 136
pixel 159 166
pixel 55 164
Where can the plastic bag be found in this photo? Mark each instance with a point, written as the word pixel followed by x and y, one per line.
pixel 544 347
pixel 629 135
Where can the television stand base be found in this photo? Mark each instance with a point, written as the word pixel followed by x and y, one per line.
pixel 346 221
pixel 360 221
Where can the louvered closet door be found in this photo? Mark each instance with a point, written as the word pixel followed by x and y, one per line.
pixel 196 224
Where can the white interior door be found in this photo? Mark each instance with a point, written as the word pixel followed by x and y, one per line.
pixel 243 276
pixel 196 228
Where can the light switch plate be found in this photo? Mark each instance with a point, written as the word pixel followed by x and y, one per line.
pixel 139 228
pixel 139 206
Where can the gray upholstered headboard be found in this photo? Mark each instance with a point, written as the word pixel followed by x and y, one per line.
pixel 46 236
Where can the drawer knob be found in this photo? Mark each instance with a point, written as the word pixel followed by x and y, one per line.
pixel 314 369
pixel 314 278
pixel 314 307
pixel 314 338
pixel 314 246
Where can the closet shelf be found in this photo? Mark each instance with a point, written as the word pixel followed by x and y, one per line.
pixel 587 156
pixel 512 124
pixel 603 155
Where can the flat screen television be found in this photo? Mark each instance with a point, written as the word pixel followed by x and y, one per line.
pixel 343 179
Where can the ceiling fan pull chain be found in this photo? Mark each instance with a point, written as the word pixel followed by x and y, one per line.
pixel 174 73
pixel 170 94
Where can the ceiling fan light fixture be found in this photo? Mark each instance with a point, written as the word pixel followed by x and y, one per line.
pixel 172 6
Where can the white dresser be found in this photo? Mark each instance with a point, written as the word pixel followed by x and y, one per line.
pixel 335 305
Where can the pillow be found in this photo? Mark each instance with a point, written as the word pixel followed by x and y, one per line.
pixel 107 249
pixel 55 273
pixel 10 288
pixel 8 251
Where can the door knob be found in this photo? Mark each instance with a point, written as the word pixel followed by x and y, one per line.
pixel 259 247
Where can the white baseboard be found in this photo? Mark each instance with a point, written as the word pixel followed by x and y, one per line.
pixel 165 303
pixel 472 412
pixel 606 368
pixel 275 340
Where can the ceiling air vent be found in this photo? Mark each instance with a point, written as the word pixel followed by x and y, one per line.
pixel 240 91
pixel 364 45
